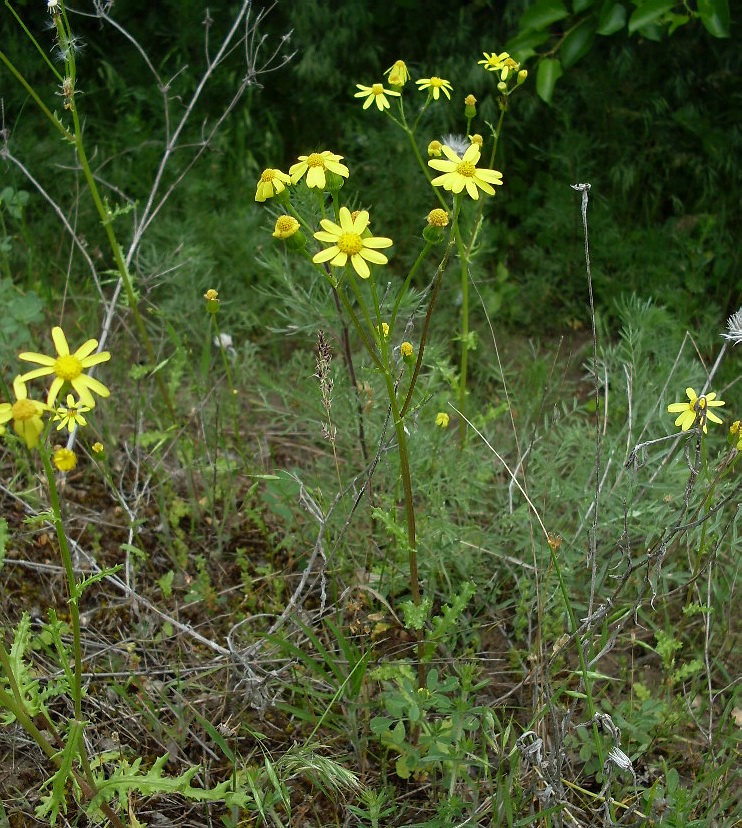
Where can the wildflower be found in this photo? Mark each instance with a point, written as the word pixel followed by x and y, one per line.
pixel 97 448
pixel 71 415
pixel 25 413
pixel 383 330
pixel 522 75
pixel 696 410
pixel 347 242
pixel 271 183
pixel 470 106
pixel 442 419
pixel 476 139
pixel 375 94
pixel 438 218
pixel 501 63
pixel 398 73
pixel 435 85
pixel 434 149
pixel 407 352
pixel 64 459
pixel 54 7
pixel 734 326
pixel 286 226
pixel 460 173
pixel 211 295
pixel 68 367
pixel 315 165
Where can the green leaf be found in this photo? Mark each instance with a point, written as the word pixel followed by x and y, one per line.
pixel 524 45
pixel 649 12
pixel 542 15
pixel 577 43
pixel 549 72
pixel 715 16
pixel 580 5
pixel 612 18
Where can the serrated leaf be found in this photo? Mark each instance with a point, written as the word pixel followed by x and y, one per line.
pixel 715 16
pixel 542 15
pixel 549 72
pixel 577 43
pixel 649 12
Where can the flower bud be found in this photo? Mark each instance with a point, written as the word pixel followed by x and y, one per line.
pixel 408 353
pixel 502 86
pixel 522 75
pixel 333 181
pixel 398 74
pixel 435 149
pixel 470 106
pixel 437 220
pixel 212 300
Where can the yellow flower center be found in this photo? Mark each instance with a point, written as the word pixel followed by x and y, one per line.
pixel 467 169
pixel 438 217
pixel 377 89
pixel 267 176
pixel 285 224
pixel 68 367
pixel 23 410
pixel 350 243
pixel 315 160
pixel 436 81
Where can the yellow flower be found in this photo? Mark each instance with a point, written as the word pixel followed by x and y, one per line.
pixel 71 415
pixel 68 367
pixel 696 410
pixel 459 173
pixel 435 85
pixel 347 242
pixel 64 459
pixel 470 100
pixel 442 419
pixel 384 330
pixel 271 183
pixel 476 139
pixel 406 349
pixel 97 448
pixel 314 167
pixel 398 73
pixel 286 226
pixel 438 218
pixel 434 149
pixel 501 63
pixel 522 75
pixel 211 295
pixel 375 94
pixel 25 413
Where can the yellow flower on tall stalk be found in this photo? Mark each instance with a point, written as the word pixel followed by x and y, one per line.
pixel 696 410
pixel 25 414
pixel 398 73
pixel 501 63
pixel 375 94
pixel 271 183
pixel 347 242
pixel 69 367
pixel 71 414
pixel 435 85
pixel 314 167
pixel 460 173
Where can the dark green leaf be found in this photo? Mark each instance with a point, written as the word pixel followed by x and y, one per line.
pixel 549 72
pixel 649 12
pixel 715 16
pixel 612 18
pixel 580 5
pixel 577 43
pixel 542 15
pixel 524 45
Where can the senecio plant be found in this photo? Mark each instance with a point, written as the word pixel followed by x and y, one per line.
pixel 340 243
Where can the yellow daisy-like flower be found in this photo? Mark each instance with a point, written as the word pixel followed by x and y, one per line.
pixel 348 243
pixel 286 226
pixel 435 85
pixel 406 349
pixel 71 415
pixel 68 367
pixel 442 419
pixel 696 410
pixel 64 459
pixel 375 94
pixel 314 167
pixel 398 73
pixel 25 414
pixel 460 173
pixel 271 183
pixel 501 63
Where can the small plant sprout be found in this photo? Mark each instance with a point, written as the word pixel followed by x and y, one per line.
pixel 696 410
